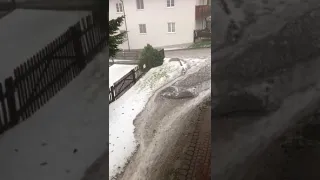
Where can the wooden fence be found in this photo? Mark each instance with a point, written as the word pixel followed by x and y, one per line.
pixel 201 34
pixel 6 8
pixel 128 55
pixel 43 75
pixel 132 54
pixel 124 84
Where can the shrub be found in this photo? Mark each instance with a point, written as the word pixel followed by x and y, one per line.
pixel 151 57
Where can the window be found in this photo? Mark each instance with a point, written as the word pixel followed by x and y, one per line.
pixel 140 4
pixel 171 27
pixel 142 28
pixel 119 7
pixel 170 3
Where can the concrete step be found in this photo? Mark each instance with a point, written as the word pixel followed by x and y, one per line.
pixel 126 62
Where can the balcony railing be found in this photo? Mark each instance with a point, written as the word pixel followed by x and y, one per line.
pixel 202 11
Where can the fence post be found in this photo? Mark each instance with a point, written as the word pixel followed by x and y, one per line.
pixel 4 111
pixel 134 76
pixel 11 100
pixel 112 93
pixel 76 39
pixel 14 3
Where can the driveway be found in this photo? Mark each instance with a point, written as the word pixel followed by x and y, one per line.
pixel 189 53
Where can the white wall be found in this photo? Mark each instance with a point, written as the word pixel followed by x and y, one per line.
pixel 156 16
pixel 202 2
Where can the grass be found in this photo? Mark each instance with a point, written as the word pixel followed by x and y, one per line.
pixel 201 44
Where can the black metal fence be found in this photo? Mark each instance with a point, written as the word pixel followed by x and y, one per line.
pixel 124 84
pixel 128 80
pixel 43 75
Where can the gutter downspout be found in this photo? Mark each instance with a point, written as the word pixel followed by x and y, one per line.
pixel 125 23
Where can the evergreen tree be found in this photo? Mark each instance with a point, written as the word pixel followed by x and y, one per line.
pixel 115 38
pixel 100 8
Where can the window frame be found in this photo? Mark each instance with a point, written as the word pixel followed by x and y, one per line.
pixel 171 26
pixel 119 6
pixel 144 27
pixel 170 3
pixel 140 4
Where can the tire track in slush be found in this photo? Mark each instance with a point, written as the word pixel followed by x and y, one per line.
pixel 195 161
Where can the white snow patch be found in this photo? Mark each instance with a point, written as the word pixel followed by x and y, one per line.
pixel 116 60
pixel 176 48
pixel 41 148
pixel 171 49
pixel 26 31
pixel 123 111
pixel 179 47
pixel 117 71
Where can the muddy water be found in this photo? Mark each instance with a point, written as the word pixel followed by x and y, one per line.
pixel 294 156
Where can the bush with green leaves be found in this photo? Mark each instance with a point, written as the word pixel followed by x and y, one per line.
pixel 151 57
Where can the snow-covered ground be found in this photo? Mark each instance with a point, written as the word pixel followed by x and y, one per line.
pixel 123 111
pixel 69 133
pixel 177 47
pixel 117 60
pixel 189 53
pixel 25 32
pixel 160 117
pixel 117 71
pixel 174 48
pixel 62 139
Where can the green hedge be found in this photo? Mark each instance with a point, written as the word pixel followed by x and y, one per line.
pixel 151 57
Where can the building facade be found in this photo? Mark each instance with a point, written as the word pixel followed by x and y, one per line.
pixel 160 23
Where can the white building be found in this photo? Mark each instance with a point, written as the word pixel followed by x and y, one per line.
pixel 161 23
